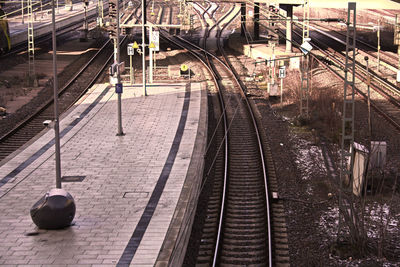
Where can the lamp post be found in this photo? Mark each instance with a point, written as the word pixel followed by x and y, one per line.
pixel 117 59
pixel 22 10
pixel 55 87
pixel 56 209
pixel 143 47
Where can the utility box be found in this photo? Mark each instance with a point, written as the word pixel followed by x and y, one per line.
pixel 378 155
pixel 273 89
pixel 359 167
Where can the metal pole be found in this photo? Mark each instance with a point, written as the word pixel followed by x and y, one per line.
pixel 22 10
pixel 368 101
pixel 256 20
pixel 398 70
pixel 144 47
pixel 131 70
pixel 55 86
pixel 242 19
pixel 151 56
pixel 379 43
pixel 85 25
pixel 120 132
pixel 281 92
pixel 289 24
pixel 397 42
pixel 348 113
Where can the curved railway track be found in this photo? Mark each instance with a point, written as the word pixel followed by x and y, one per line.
pixel 68 95
pixel 237 229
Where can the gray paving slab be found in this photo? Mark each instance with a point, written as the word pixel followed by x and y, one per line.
pixel 121 174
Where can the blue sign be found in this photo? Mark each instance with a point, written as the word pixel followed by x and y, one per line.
pixel 118 88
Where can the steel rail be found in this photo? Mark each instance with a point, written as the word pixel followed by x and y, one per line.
pixel 388 85
pixel 20 47
pixel 361 68
pixel 358 91
pixel 63 90
pixel 359 41
pixel 260 146
pixel 197 54
pixel 225 62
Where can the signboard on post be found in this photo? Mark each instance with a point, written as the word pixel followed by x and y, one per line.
pixel 306 47
pixel 131 50
pixel 155 39
pixel 118 88
pixel 282 72
pixel 184 69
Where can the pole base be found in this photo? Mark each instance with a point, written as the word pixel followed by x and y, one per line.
pixel 55 210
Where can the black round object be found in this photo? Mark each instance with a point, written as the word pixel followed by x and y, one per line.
pixel 55 210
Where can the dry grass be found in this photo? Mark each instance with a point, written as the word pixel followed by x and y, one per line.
pixel 15 86
pixel 324 103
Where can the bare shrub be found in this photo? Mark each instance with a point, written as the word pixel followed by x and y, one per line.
pixel 293 85
pixel 324 105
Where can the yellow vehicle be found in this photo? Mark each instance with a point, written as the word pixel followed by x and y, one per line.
pixel 5 41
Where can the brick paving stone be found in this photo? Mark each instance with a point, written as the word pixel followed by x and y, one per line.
pixel 121 173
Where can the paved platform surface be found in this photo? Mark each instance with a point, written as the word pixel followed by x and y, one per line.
pixel 42 23
pixel 132 184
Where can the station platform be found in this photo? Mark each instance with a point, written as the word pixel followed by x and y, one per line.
pixel 135 194
pixel 42 24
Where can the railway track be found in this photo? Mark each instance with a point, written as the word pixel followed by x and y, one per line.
pixel 44 39
pixel 380 89
pixel 68 95
pixel 237 227
pixel 386 58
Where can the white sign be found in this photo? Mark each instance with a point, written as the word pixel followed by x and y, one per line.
pixel 131 51
pixel 282 72
pixel 155 39
pixel 306 47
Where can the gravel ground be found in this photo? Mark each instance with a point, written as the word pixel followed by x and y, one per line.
pixel 308 187
pixel 306 157
pixel 310 191
pixel 46 92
